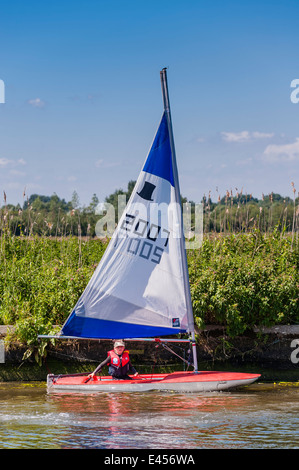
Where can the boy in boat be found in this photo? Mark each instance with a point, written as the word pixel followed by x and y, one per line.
pixel 118 361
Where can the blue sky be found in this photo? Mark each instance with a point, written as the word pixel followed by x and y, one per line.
pixel 83 96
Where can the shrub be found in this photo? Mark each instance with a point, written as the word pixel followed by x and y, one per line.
pixel 245 280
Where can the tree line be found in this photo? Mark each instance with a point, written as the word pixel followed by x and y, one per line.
pixel 235 212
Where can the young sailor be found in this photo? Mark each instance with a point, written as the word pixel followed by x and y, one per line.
pixel 118 361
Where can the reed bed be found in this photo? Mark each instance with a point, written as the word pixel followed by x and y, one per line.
pixel 246 272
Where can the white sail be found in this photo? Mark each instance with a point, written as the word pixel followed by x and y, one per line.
pixel 139 286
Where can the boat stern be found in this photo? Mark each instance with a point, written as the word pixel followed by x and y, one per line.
pixel 50 380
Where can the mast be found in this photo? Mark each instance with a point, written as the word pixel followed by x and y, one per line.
pixel 190 317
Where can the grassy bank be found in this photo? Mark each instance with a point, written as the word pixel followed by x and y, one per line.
pixel 244 280
pixel 238 280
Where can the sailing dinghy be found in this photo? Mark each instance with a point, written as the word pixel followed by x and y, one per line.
pixel 140 289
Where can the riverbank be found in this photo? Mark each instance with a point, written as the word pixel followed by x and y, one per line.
pixel 274 351
pixel 237 280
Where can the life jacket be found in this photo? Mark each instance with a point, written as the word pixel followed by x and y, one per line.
pixel 120 365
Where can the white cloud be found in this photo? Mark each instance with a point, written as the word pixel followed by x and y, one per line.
pixel 5 162
pixel 37 103
pixel 262 135
pixel 284 152
pixel 235 136
pixel 245 136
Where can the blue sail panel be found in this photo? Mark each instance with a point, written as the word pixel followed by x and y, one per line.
pixel 159 161
pixel 84 327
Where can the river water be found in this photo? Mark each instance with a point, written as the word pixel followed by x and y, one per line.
pixel 261 416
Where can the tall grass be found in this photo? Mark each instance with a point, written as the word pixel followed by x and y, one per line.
pixel 233 213
pixel 244 274
pixel 238 212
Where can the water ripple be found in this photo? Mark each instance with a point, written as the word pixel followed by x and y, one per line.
pixel 261 417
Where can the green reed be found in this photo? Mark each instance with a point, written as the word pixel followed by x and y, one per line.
pixel 244 274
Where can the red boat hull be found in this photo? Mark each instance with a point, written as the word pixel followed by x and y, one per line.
pixel 203 381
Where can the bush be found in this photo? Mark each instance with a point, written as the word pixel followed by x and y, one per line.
pixel 41 279
pixel 245 280
pixel 238 280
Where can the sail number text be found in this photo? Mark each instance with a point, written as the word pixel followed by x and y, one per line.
pixel 143 238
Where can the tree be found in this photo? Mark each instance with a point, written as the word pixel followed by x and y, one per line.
pixel 113 198
pixel 75 202
pixel 94 202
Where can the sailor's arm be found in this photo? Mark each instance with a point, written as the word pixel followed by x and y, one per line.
pixel 98 369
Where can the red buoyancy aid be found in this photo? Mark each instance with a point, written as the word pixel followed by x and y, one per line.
pixel 115 359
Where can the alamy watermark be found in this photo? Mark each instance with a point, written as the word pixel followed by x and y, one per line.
pixel 151 221
pixel 2 92
pixel 2 352
pixel 295 353
pixel 295 93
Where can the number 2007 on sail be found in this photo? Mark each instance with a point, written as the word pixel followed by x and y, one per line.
pixel 144 237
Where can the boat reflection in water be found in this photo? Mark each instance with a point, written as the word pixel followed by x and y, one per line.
pixel 259 416
pixel 124 420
